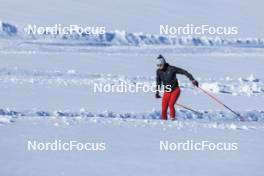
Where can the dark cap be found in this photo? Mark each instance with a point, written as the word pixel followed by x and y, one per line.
pixel 160 57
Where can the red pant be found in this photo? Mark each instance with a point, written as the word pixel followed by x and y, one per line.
pixel 169 99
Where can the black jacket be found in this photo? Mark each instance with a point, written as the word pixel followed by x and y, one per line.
pixel 167 76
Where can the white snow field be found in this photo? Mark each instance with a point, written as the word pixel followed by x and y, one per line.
pixel 49 96
pixel 47 88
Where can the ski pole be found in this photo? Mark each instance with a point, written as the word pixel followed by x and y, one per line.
pixel 221 103
pixel 190 109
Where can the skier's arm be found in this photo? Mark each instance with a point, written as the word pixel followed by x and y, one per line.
pixel 187 74
pixel 158 84
pixel 184 72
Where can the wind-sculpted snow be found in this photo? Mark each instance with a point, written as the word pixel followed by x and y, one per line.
pixel 249 86
pixel 123 38
pixel 7 29
pixel 138 39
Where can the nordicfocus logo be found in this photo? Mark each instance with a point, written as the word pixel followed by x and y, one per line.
pixel 191 29
pixel 191 145
pixel 58 29
pixel 126 87
pixel 59 145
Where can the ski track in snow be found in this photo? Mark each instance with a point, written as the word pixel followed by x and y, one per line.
pixel 186 119
pixel 249 86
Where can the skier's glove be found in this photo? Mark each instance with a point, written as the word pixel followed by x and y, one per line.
pixel 157 95
pixel 195 83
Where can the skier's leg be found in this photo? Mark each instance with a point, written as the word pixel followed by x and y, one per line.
pixel 174 97
pixel 165 104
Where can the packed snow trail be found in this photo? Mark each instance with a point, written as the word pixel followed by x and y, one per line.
pixel 210 117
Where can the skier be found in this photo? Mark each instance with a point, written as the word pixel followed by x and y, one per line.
pixel 166 74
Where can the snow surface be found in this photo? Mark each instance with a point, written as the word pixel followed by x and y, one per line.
pixel 46 86
pixel 132 149
pixel 49 96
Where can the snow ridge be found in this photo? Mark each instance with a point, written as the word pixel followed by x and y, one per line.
pixel 123 38
pixel 7 29
pixel 207 119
